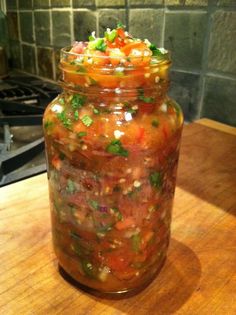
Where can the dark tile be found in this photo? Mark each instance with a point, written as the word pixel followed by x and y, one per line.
pixel 61 28
pixel 12 21
pixel 15 54
pixel 11 4
pixel 184 37
pixel 147 23
pixel 26 27
pixel 222 47
pixel 25 4
pixel 60 3
pixel 113 3
pixel 45 68
pixel 226 3
pixel 219 100
pixel 41 4
pixel 184 89
pixel 145 2
pixel 42 27
pixel 110 18
pixel 83 3
pixel 84 24
pixel 28 52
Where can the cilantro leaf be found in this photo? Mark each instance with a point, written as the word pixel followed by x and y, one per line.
pixel 146 99
pixel 155 123
pixel 81 134
pixel 48 124
pixel 93 203
pixel 61 101
pixel 76 115
pixel 115 147
pixel 155 180
pixel 120 25
pixel 96 111
pixel 64 119
pixel 78 101
pixel 87 120
pixel 70 188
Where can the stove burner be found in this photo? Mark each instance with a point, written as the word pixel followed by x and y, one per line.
pixel 23 100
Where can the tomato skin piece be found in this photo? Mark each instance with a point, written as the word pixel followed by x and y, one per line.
pixel 140 135
pixel 121 33
pixel 146 108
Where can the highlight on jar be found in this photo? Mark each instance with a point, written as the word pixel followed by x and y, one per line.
pixel 112 141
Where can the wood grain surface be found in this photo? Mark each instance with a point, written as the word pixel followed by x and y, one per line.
pixel 199 277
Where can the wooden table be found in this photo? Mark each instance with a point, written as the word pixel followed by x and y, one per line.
pixel 199 277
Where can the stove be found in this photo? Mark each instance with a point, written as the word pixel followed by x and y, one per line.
pixel 23 99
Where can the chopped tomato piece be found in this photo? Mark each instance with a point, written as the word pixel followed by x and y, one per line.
pixel 126 223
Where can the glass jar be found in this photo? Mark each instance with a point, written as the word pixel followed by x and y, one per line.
pixel 112 141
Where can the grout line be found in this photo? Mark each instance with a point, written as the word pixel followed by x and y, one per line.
pixel 97 23
pixel 217 74
pixel 196 72
pixel 35 46
pixel 163 29
pixel 50 23
pixel 127 9
pixel 72 33
pixel 19 31
pixel 202 83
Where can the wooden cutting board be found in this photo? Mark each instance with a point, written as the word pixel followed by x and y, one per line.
pixel 199 277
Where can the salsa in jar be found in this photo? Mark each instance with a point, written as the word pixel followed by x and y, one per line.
pixel 112 141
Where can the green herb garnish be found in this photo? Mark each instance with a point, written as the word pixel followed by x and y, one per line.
pixel 155 123
pixel 81 69
pixel 155 179
pixel 146 99
pixel 96 111
pixel 120 25
pixel 61 101
pixel 142 97
pixel 78 101
pixel 88 268
pixel 118 214
pixel 81 134
pixel 64 119
pixel 87 120
pixel 93 203
pixel 48 124
pixel 92 81
pixel 136 242
pixel 76 115
pixel 70 188
pixel 115 147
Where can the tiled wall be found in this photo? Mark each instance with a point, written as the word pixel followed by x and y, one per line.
pixel 201 35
